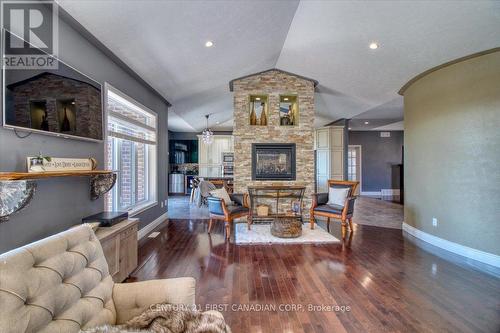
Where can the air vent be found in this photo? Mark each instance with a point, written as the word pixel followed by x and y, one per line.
pixel 385 134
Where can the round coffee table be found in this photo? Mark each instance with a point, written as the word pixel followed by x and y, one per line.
pixel 286 227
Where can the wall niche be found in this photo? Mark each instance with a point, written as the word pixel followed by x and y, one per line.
pixel 289 110
pixel 258 110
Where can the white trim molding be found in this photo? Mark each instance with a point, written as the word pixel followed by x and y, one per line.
pixel 151 226
pixel 390 192
pixel 464 251
pixel 382 193
pixel 374 194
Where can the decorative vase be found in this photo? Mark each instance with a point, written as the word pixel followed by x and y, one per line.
pixel 263 118
pixel 65 127
pixel 285 120
pixel 253 116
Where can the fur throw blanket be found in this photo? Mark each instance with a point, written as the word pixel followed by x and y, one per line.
pixel 168 318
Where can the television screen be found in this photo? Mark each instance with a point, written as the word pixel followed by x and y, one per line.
pixel 59 101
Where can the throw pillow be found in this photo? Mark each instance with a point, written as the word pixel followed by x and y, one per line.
pixel 221 193
pixel 337 196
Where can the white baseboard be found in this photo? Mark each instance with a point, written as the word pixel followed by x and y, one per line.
pixel 383 192
pixel 464 251
pixel 374 194
pixel 151 226
pixel 390 192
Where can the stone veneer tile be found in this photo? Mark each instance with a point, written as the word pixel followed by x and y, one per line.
pixel 274 83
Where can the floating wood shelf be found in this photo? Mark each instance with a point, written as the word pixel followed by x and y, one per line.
pixel 50 174
pixel 18 188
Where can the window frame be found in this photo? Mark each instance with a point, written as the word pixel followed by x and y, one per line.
pixel 152 166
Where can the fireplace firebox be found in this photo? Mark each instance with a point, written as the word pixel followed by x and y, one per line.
pixel 273 161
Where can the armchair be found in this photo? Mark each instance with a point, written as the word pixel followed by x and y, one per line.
pixel 320 206
pixel 227 212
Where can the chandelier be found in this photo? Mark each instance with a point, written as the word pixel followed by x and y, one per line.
pixel 207 135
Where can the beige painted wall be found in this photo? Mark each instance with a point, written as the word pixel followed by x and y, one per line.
pixel 452 153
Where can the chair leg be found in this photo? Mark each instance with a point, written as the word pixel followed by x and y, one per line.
pixel 210 225
pixel 350 224
pixel 228 229
pixel 344 228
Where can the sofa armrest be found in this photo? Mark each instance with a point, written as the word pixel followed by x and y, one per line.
pixel 132 299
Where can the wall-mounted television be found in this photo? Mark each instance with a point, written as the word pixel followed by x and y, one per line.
pixel 62 101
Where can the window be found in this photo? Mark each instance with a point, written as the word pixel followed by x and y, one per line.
pixel 131 150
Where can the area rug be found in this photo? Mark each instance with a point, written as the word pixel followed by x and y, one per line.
pixel 261 234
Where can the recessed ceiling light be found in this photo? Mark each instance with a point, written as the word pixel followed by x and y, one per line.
pixel 257 98
pixel 209 43
pixel 366 123
pixel 285 99
pixel 373 46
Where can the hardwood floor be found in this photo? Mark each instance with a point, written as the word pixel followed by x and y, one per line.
pixel 388 283
pixel 378 213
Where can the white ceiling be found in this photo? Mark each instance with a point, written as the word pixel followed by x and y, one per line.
pixel 163 41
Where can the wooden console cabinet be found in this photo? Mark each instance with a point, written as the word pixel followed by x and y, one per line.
pixel 119 244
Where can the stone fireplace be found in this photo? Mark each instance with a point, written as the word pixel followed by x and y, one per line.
pixel 273 161
pixel 271 86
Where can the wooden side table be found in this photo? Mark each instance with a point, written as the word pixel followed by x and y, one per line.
pixel 119 244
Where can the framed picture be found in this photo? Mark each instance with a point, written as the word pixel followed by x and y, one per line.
pixel 296 207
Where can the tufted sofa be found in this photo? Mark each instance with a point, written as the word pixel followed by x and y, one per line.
pixel 61 284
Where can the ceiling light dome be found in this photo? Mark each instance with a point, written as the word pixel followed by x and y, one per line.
pixel 374 45
pixel 209 43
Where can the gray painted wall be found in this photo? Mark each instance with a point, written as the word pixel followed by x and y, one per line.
pixel 61 203
pixel 378 156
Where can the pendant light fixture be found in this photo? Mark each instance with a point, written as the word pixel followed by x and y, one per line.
pixel 207 135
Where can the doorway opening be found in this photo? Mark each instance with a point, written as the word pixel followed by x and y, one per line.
pixel 354 165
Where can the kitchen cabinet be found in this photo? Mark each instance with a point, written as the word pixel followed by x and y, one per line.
pixel 329 146
pixel 210 155
pixel 183 151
